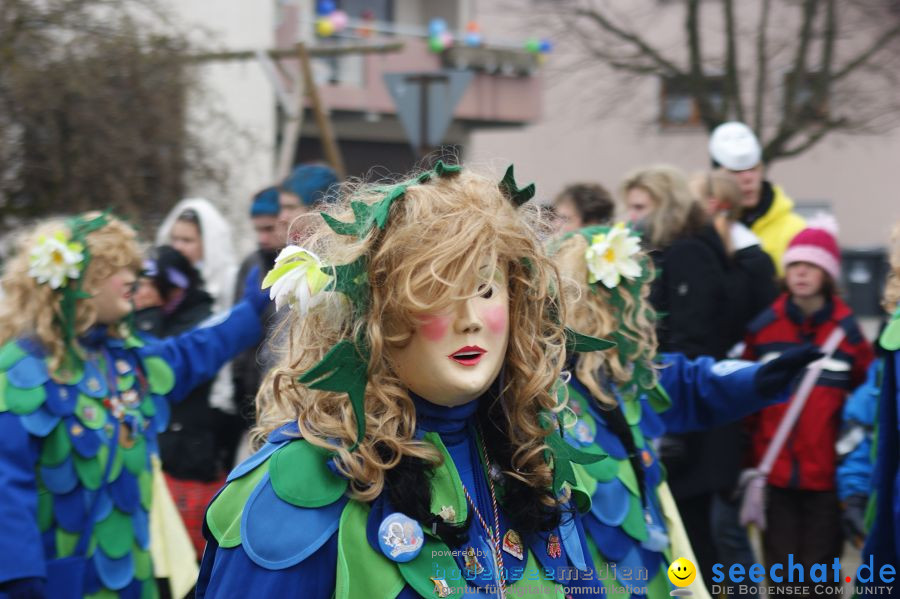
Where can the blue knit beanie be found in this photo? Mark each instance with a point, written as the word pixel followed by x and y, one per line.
pixel 265 203
pixel 310 182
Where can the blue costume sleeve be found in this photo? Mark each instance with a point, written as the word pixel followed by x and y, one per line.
pixel 230 574
pixel 20 539
pixel 196 356
pixel 854 447
pixel 706 393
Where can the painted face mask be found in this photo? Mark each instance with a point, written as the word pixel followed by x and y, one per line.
pixel 454 356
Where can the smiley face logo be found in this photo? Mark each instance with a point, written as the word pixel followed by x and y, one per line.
pixel 682 572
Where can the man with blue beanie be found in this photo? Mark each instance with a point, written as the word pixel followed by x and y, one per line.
pixel 245 370
pixel 307 185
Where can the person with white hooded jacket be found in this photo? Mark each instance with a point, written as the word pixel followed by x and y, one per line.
pixel 197 229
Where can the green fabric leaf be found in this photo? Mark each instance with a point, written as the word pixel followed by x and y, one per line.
pixel 143 565
pixel 602 567
pixel 339 227
pixel 45 510
pixel 628 478
pixel 159 375
pixel 343 370
pixel 300 475
pixel 90 412
pixel 56 446
pixel 634 524
pixel 90 470
pixel 432 561
pixel 446 486
pixel 563 456
pixel 133 342
pixel 145 486
pixel 149 589
pixel 3 406
pixel 533 582
pixel 102 594
pixel 224 514
pixel 604 470
pixel 362 572
pixel 890 336
pixel 512 191
pixel 353 281
pixel 148 407
pixel 24 401
pixel 135 457
pixel 125 382
pixel 638 435
pixel 10 354
pixel 659 585
pixel 115 534
pixel 658 398
pixel 632 410
pixel 583 489
pixel 579 343
pixel 65 542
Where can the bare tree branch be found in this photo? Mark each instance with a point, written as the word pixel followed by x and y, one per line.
pixel 631 38
pixel 762 66
pixel 869 52
pixel 732 74
pixel 697 83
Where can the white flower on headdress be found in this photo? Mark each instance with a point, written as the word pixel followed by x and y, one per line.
pixel 55 260
pixel 297 279
pixel 611 256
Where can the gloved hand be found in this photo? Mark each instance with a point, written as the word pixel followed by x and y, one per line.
pixel 775 376
pixel 253 293
pixel 853 519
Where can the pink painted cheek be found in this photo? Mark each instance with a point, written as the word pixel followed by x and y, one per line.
pixel 433 328
pixel 496 318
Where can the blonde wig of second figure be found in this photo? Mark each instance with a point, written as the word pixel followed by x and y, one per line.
pixel 590 309
pixel 441 242
pixel 31 308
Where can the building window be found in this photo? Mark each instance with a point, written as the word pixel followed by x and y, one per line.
pixel 678 107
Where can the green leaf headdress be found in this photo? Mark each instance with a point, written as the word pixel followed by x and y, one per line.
pixel 296 279
pixel 60 261
pixel 617 268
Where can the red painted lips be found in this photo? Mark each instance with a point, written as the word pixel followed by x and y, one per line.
pixel 469 355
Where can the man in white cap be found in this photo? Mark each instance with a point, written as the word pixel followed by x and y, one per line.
pixel 767 210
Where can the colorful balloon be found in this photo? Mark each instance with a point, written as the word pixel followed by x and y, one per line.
pixel 325 7
pixel 324 27
pixel 436 27
pixel 339 20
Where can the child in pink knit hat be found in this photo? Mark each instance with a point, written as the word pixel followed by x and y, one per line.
pixel 802 509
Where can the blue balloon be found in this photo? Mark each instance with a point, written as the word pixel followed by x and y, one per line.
pixel 545 46
pixel 472 39
pixel 436 27
pixel 325 7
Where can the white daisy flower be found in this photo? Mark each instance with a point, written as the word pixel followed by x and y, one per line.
pixel 297 279
pixel 54 260
pixel 611 257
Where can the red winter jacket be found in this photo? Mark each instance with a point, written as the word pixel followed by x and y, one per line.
pixel 808 459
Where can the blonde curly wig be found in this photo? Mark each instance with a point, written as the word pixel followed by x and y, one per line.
pixel 32 309
pixel 428 256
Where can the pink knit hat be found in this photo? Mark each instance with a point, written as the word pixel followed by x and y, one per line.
pixel 817 245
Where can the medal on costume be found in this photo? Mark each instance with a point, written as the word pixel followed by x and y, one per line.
pixel 441 589
pixel 400 537
pixel 553 548
pixel 583 432
pixel 512 544
pixel 472 563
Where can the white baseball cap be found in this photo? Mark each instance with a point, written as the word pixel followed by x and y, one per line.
pixel 734 146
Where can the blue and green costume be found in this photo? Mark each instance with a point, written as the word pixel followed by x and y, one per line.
pixel 284 522
pixel 64 455
pixel 629 522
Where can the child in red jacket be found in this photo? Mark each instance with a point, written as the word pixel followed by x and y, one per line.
pixel 802 510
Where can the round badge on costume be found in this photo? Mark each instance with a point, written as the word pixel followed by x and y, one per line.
pixel 400 537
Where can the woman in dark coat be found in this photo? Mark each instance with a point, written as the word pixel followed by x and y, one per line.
pixel 697 317
pixel 170 301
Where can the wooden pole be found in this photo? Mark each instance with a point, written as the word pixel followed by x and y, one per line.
pixel 326 131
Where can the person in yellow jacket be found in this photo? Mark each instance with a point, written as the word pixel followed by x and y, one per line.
pixel 767 209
